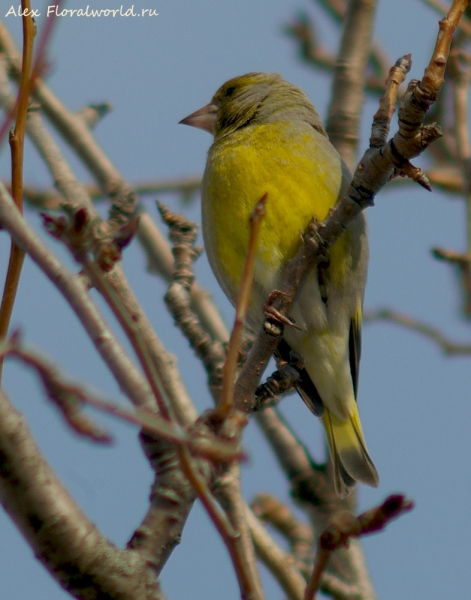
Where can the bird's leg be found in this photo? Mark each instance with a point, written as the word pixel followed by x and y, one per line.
pixel 281 381
pixel 275 320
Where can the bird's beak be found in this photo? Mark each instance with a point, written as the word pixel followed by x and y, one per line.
pixel 205 118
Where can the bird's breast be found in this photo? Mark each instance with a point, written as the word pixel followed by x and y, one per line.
pixel 301 174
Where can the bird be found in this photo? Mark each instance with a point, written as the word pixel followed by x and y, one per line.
pixel 269 139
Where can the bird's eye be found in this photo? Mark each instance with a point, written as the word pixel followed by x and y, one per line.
pixel 230 91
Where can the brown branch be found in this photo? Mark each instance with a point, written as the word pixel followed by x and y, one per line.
pixel 460 71
pixel 49 199
pixel 171 500
pixel 70 396
pixel 190 469
pixel 161 261
pixel 228 491
pixel 231 527
pixel 77 134
pixel 441 8
pixel 312 490
pixel 183 235
pixel 77 199
pixel 200 484
pixel 299 535
pixel 311 50
pixel 343 122
pixel 227 487
pixel 59 534
pixel 178 298
pixel 76 294
pixel 387 103
pixel 73 191
pixel 278 562
pixel 29 72
pixel 17 140
pixel 189 466
pixel 345 526
pixel 132 328
pixel 243 298
pixel 155 450
pixel 433 78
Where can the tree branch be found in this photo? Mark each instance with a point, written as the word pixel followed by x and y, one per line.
pixel 343 122
pixel 449 347
pixel 64 540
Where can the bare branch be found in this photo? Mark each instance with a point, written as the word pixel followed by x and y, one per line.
pixel 241 548
pixel 311 488
pixel 299 535
pixel 449 347
pixel 56 529
pixel 280 563
pixel 343 122
pixel 442 9
pixel 76 294
pixel 310 49
pixel 178 298
pixel 70 396
pixel 346 526
pixel 230 368
pixel 49 199
pixel 116 280
pixel 17 142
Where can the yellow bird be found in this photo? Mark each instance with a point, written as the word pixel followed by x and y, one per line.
pixel 269 139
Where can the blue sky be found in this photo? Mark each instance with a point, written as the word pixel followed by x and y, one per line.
pixel 413 401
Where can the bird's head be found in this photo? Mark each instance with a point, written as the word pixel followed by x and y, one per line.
pixel 253 98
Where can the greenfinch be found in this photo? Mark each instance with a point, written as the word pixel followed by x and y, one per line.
pixel 269 139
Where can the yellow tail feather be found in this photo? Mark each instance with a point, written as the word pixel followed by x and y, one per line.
pixel 352 462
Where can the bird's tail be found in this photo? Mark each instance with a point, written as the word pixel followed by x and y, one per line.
pixel 351 460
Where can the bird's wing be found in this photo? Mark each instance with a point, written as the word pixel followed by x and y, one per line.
pixel 305 387
pixel 354 346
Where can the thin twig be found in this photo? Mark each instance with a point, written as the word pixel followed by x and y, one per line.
pixel 449 347
pixel 243 299
pixel 130 325
pixel 76 199
pixel 47 198
pixel 200 485
pixel 460 69
pixel 346 526
pixel 70 396
pixel 299 535
pixel 17 140
pixel 212 353
pixel 343 122
pixel 313 52
pixel 442 9
pixel 75 292
pixel 387 103
pixel 241 549
pixel 279 562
